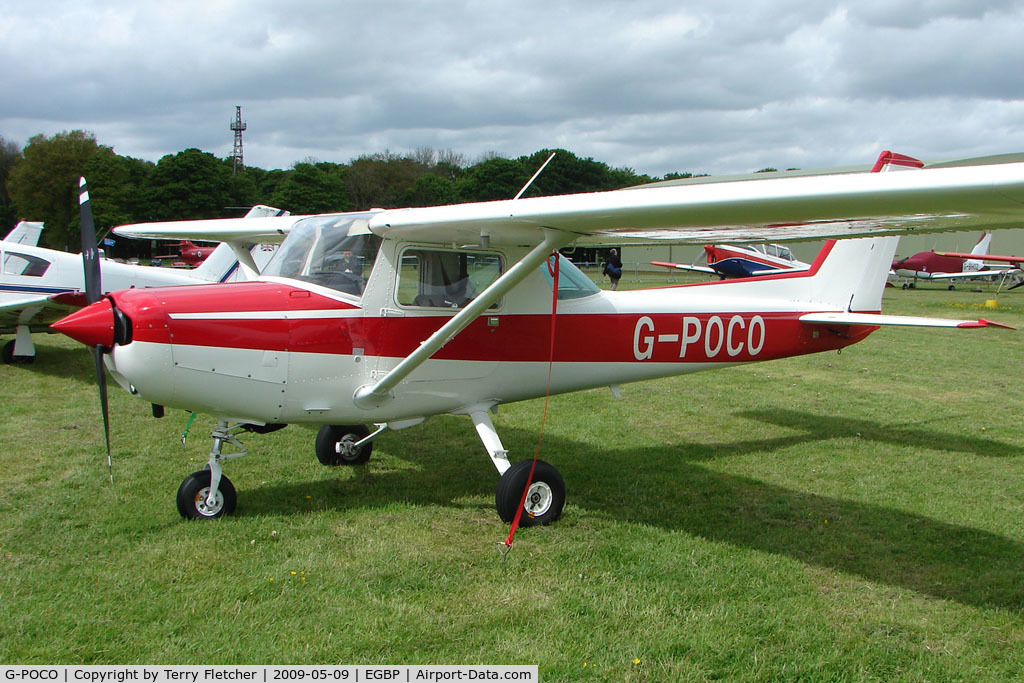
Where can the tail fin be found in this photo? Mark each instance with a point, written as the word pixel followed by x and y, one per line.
pixel 851 273
pixel 218 266
pixel 891 161
pixel 25 233
pixel 262 210
pixel 984 242
pixel 980 249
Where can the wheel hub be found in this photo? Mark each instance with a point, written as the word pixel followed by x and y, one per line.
pixel 346 447
pixel 203 506
pixel 538 499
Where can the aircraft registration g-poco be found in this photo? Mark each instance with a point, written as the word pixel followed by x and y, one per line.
pixel 391 316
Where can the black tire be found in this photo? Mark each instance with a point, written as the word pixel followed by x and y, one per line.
pixel 328 438
pixel 10 359
pixel 544 503
pixel 192 497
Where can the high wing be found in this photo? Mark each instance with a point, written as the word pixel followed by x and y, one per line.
pixel 987 196
pixel 261 225
pixel 246 230
pixel 953 196
pixel 987 257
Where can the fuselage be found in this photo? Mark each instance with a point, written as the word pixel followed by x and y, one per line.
pixel 738 261
pixel 927 263
pixel 287 350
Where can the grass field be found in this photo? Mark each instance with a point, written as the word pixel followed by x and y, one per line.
pixel 833 517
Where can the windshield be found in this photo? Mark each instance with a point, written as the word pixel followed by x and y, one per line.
pixel 573 283
pixel 333 251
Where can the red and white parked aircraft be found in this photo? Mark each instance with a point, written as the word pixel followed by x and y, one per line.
pixel 391 316
pixel 189 254
pixel 1017 261
pixel 743 260
pixel 932 265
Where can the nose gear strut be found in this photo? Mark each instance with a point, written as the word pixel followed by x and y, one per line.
pixel 208 493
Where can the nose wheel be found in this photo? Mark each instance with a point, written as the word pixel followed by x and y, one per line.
pixel 195 502
pixel 208 494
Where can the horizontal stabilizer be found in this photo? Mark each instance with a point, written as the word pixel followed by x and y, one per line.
pixel 685 266
pixel 966 274
pixel 842 318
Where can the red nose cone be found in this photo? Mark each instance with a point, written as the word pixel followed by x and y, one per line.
pixel 92 325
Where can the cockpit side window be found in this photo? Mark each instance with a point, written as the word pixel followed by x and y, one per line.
pixel 331 251
pixel 573 283
pixel 435 278
pixel 24 264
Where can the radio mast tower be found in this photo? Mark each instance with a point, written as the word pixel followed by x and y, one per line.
pixel 238 125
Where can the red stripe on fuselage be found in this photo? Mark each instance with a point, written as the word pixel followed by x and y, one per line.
pixel 255 317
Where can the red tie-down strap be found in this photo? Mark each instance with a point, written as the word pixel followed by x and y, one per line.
pixel 552 264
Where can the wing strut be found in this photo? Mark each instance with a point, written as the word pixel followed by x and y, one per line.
pixel 370 396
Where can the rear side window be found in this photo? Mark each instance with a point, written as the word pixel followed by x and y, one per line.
pixel 24 264
pixel 435 278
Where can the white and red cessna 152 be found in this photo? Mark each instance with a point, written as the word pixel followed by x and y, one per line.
pixel 391 316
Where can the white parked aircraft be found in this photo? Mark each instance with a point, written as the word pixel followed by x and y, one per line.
pixel 39 286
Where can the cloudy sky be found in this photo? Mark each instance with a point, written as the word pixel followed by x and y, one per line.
pixel 710 87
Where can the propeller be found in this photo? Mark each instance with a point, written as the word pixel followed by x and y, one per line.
pixel 93 291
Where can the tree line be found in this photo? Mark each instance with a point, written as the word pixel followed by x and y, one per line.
pixel 40 183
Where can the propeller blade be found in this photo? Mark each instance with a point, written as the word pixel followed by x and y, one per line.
pixel 93 291
pixel 101 381
pixel 90 250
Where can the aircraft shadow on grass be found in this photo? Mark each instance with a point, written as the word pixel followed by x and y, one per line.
pixel 880 544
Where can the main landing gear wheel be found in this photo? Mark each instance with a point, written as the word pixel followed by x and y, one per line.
pixel 544 500
pixel 194 490
pixel 335 445
pixel 10 359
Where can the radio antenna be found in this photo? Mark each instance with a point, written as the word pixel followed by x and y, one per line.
pixel 530 181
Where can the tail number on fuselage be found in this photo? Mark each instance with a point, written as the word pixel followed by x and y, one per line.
pixel 715 337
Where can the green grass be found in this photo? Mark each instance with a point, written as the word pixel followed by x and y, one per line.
pixel 832 517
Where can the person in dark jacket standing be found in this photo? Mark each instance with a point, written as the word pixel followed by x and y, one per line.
pixel 613 268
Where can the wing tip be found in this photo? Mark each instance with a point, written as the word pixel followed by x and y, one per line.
pixel 982 322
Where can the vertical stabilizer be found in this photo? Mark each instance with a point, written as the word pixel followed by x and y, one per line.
pixel 980 249
pixel 25 233
pixel 853 272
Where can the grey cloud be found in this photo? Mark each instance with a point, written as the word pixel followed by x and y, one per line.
pixel 719 87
